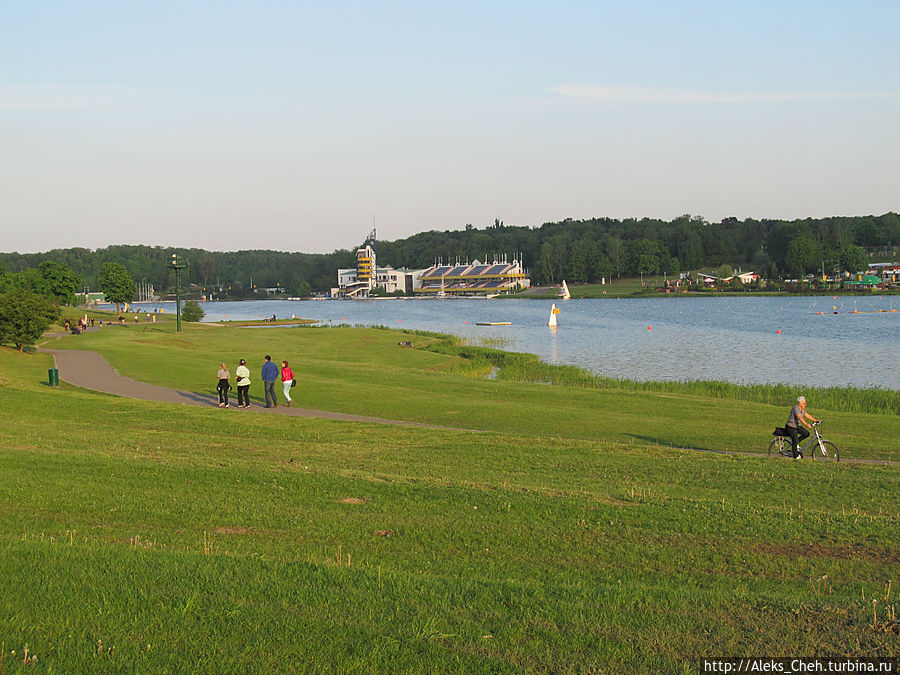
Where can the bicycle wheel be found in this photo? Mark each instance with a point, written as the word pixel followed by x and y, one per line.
pixel 831 451
pixel 776 447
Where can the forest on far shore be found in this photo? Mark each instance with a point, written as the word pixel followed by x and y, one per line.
pixel 580 251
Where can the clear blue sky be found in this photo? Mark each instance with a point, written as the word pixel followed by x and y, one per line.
pixel 290 125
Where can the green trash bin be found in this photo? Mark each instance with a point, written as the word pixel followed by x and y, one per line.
pixel 53 374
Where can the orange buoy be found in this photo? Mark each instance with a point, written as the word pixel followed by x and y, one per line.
pixel 778 331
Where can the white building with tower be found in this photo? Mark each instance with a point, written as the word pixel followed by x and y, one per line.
pixel 501 276
pixel 360 281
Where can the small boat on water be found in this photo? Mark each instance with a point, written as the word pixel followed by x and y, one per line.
pixel 554 310
pixel 564 291
pixel 493 323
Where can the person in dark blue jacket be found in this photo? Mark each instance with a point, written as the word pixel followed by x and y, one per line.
pixel 270 377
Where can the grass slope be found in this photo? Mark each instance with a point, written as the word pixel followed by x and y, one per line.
pixel 151 537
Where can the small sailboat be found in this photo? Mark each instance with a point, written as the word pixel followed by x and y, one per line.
pixel 564 291
pixel 554 310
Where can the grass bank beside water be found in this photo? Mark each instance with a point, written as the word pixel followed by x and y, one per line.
pixel 570 534
pixel 520 367
pixel 648 288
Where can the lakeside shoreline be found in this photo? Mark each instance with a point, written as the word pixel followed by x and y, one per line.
pixel 574 372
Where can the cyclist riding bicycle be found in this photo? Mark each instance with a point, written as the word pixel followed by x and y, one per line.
pixel 795 424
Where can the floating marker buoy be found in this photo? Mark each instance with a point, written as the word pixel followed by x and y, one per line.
pixel 778 331
pixel 649 327
pixel 467 322
pixel 399 319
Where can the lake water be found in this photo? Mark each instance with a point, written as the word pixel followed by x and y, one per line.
pixel 731 338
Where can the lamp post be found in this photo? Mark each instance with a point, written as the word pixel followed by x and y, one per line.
pixel 177 265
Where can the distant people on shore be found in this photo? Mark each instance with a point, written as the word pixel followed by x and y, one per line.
pixel 242 379
pixel 287 381
pixel 223 385
pixel 270 377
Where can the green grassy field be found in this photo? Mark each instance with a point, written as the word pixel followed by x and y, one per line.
pixel 569 533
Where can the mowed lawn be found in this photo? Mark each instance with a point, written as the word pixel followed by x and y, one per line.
pixel 568 532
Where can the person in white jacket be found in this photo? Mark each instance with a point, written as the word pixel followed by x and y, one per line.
pixel 242 379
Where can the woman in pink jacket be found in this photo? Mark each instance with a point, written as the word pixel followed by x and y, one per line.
pixel 287 381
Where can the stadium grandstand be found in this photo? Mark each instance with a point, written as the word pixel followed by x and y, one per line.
pixel 476 278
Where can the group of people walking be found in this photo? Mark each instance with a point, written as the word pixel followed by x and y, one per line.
pixel 270 374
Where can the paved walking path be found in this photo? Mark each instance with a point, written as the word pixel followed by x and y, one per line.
pixel 90 370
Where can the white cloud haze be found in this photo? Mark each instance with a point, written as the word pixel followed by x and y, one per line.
pixel 629 94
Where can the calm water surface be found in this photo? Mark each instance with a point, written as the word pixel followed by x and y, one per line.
pixel 733 339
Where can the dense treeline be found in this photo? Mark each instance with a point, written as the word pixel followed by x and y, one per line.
pixel 236 272
pixel 575 250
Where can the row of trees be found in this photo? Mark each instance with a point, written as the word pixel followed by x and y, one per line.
pixel 575 250
pixel 30 298
pixel 56 280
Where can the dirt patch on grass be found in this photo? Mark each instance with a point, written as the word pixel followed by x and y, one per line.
pixel 353 500
pixel 883 556
pixel 614 501
pixel 232 530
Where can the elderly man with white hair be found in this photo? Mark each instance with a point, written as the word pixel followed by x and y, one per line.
pixel 795 425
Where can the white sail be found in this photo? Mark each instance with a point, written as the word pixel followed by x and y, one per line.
pixel 564 291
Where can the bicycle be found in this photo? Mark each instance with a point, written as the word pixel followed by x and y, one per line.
pixel 816 445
